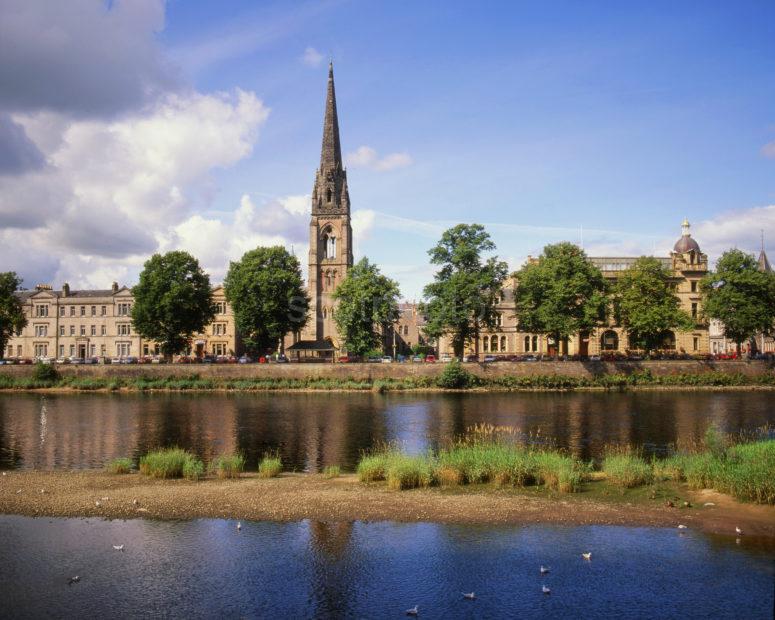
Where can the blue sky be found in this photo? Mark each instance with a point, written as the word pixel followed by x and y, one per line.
pixel 537 119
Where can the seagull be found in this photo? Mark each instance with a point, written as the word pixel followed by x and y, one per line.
pixel 413 611
pixel 469 595
pixel 738 531
pixel 135 502
pixel 5 474
pixel 19 491
pixel 544 569
pixel 118 547
pixel 545 590
pixel 681 527
pixel 239 525
pixel 73 580
pixel 587 556
pixel 97 503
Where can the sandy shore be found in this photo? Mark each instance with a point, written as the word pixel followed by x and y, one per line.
pixel 292 497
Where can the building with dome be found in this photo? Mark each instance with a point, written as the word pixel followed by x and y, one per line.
pixel 687 264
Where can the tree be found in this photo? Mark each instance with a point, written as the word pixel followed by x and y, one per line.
pixel 172 301
pixel 367 303
pixel 561 294
pixel 12 319
pixel 267 294
pixel 646 305
pixel 464 295
pixel 740 296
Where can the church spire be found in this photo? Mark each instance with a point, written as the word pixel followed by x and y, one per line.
pixel 331 152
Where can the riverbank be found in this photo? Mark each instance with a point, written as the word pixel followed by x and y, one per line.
pixel 293 497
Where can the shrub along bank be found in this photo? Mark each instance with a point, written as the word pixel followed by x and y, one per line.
pixel 454 376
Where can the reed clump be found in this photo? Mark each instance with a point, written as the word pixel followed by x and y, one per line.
pixel 171 463
pixel 332 471
pixel 228 465
pixel 270 466
pixel 626 468
pixel 119 466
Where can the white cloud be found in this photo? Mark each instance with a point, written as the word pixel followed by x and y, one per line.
pixel 740 229
pixel 768 150
pixel 312 57
pixel 367 157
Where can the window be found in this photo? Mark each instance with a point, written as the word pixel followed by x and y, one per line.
pixel 220 307
pixel 102 350
pixel 61 311
pixel 10 350
pixel 694 286
pixel 535 343
pixel 486 344
pixel 219 348
pixel 93 350
pixel 41 350
pixel 83 330
pixel 72 330
pixel 694 310
pixel 93 330
pixel 123 329
pixel 83 310
pixel 103 330
pixel 123 309
pixel 329 246
pixel 41 331
pixel 41 310
pixel 219 329
pixel 94 310
pixel 503 343
pixel 61 350
pixel 61 330
pixel 123 349
pixel 328 195
pixel 72 310
pixel 696 343
pixel 103 310
pixel 325 313
pixel 527 343
pixel 498 320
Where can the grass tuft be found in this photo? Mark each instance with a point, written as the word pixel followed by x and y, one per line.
pixel 119 466
pixel 171 463
pixel 332 471
pixel 626 468
pixel 270 466
pixel 228 465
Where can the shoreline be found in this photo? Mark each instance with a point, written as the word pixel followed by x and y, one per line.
pixel 294 497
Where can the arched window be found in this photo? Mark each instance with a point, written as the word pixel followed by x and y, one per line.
pixel 494 343
pixel 609 341
pixel 325 313
pixel 668 340
pixel 328 195
pixel 535 343
pixel 330 246
pixel 527 343
pixel 485 344
pixel 503 343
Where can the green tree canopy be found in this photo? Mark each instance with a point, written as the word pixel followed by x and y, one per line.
pixel 561 294
pixel 740 296
pixel 646 305
pixel 267 294
pixel 172 301
pixel 12 317
pixel 464 295
pixel 367 302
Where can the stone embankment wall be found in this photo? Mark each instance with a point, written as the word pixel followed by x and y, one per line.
pixel 361 372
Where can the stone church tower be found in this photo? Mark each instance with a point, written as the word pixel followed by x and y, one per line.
pixel 330 232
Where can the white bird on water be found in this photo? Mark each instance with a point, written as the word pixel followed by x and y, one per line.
pixel 118 547
pixel 738 531
pixel 681 526
pixel 469 595
pixel 587 556
pixel 414 611
pixel 544 569
pixel 73 580
pixel 546 590
pixel 239 525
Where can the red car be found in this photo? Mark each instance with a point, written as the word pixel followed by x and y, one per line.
pixel 430 359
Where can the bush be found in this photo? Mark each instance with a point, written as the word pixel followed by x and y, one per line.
pixel 454 376
pixel 371 468
pixel 171 463
pixel 119 466
pixel 228 465
pixel 332 471
pixel 270 466
pixel 626 469
pixel 408 472
pixel 45 372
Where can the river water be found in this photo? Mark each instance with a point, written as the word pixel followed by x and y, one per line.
pixel 312 430
pixel 208 569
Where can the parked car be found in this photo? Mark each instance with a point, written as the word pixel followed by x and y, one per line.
pixel 91 360
pixel 62 360
pixel 245 360
pixel 349 359
pixel 473 357
pixel 262 360
pixel 430 359
pixel 489 359
pixel 281 359
pixel 208 359
pixel 374 359
pixel 129 360
pixel 418 358
pixel 445 357
pixel 400 358
pixel 387 359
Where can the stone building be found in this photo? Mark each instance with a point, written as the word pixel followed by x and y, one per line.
pixel 330 241
pixel 407 332
pixel 97 323
pixel 686 263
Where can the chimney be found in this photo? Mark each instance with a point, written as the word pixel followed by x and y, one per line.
pixel 114 287
pixel 65 290
pixel 43 287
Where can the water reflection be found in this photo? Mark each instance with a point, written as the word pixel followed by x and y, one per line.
pixel 317 429
pixel 206 569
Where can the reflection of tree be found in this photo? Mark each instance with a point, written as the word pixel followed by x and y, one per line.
pixel 334 574
pixel 330 539
pixel 10 448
